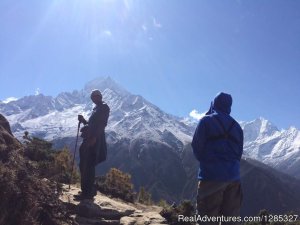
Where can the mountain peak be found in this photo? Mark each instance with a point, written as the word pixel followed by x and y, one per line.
pixel 267 126
pixel 258 128
pixel 103 83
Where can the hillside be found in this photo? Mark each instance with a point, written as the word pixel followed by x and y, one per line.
pixel 25 198
pixel 29 199
pixel 263 186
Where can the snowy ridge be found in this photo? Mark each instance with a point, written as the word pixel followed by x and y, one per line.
pixel 279 149
pixel 131 115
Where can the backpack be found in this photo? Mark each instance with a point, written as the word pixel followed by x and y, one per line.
pixel 226 133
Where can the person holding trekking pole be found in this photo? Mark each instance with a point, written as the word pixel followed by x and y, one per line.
pixel 93 149
pixel 218 146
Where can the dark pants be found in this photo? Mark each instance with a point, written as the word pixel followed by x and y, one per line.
pixel 87 169
pixel 216 199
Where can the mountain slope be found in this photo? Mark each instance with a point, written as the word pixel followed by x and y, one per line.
pixel 279 149
pixel 151 145
pixel 263 186
pixel 131 115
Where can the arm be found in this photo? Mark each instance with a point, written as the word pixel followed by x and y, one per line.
pixel 198 142
pixel 102 120
pixel 82 120
pixel 241 146
pixel 98 122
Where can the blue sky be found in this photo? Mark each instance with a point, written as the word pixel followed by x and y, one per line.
pixel 176 54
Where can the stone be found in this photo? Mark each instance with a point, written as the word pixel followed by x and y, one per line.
pixel 105 210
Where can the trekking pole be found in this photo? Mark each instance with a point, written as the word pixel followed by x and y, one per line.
pixel 74 155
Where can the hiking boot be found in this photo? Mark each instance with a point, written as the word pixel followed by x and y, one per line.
pixel 94 192
pixel 81 197
pixel 78 195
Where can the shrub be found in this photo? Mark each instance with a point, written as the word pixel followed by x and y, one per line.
pixel 63 167
pixel 38 150
pixel 163 203
pixel 52 164
pixel 144 197
pixel 26 198
pixel 171 213
pixel 116 184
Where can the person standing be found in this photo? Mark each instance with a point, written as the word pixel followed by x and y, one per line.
pixel 218 146
pixel 93 149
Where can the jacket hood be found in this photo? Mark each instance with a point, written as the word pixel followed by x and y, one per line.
pixel 211 110
pixel 222 103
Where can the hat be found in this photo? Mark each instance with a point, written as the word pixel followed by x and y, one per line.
pixel 96 92
pixel 223 102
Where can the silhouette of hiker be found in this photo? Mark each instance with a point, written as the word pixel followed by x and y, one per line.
pixel 93 149
pixel 218 146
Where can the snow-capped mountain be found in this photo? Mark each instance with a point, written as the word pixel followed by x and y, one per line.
pixel 145 142
pixel 277 148
pixel 131 115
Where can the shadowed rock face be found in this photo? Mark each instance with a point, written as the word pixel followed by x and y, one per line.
pixel 8 144
pixel 6 137
pixel 25 198
pixel 5 124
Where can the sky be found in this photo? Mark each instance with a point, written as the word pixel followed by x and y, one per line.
pixel 177 54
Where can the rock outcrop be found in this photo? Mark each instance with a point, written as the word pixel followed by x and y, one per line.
pixel 105 210
pixel 7 140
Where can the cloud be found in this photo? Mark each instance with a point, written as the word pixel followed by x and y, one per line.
pixel 196 115
pixel 10 99
pixel 144 27
pixel 106 33
pixel 127 4
pixel 37 91
pixel 156 23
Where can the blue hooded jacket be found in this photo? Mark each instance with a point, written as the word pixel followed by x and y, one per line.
pixel 218 142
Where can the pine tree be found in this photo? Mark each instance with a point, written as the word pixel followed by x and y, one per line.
pixel 144 197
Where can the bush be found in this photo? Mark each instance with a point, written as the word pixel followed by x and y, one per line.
pixel 55 165
pixel 163 203
pixel 38 150
pixel 144 197
pixel 116 184
pixel 171 213
pixel 63 167
pixel 26 198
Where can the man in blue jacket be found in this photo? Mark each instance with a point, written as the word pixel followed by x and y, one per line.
pixel 218 146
